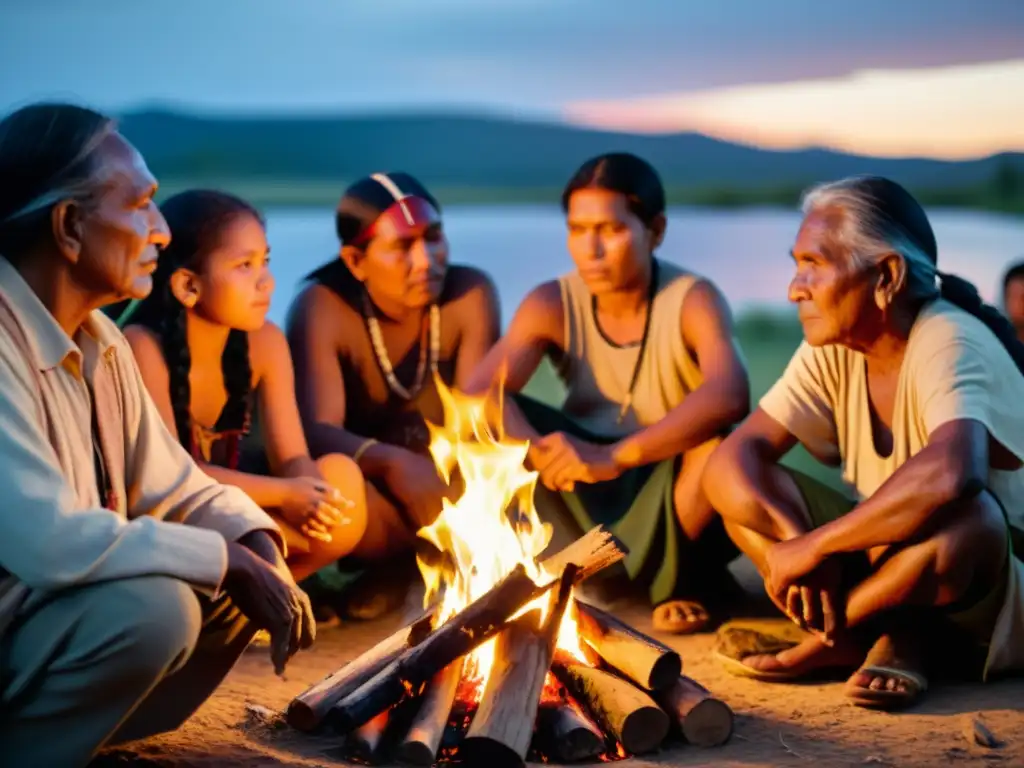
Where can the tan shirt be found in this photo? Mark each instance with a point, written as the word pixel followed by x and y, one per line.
pixel 597 373
pixel 954 368
pixel 168 518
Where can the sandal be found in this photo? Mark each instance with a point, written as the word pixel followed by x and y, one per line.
pixel 884 662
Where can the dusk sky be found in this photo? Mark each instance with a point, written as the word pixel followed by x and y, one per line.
pixel 937 77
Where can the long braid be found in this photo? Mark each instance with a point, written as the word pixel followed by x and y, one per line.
pixel 174 343
pixel 237 369
pixel 964 294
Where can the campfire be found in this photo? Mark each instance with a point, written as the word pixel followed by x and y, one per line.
pixel 508 663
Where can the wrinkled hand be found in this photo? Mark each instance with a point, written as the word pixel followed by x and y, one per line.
pixel 314 507
pixel 271 600
pixel 788 561
pixel 416 485
pixel 806 587
pixel 563 461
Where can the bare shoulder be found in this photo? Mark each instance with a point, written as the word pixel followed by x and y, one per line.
pixel 464 285
pixel 317 301
pixel 546 298
pixel 146 347
pixel 268 347
pixel 321 317
pixel 705 303
pixel 540 314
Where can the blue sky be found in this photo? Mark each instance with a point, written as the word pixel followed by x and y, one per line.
pixel 660 64
pixel 531 55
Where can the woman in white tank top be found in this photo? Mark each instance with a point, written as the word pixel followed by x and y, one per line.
pixel 653 377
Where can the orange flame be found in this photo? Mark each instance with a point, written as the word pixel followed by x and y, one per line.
pixel 491 528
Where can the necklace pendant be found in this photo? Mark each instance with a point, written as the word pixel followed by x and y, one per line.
pixel 627 403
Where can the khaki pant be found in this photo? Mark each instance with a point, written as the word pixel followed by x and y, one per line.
pixel 110 663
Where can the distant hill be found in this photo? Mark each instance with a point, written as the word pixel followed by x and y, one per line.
pixel 454 150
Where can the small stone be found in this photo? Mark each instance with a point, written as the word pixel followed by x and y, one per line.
pixel 977 733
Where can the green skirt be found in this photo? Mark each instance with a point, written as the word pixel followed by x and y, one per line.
pixel 637 506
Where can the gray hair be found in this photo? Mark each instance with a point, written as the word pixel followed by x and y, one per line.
pixel 879 217
pixel 47 154
pixel 868 232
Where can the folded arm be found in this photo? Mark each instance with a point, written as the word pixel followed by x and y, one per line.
pixel 952 468
pixel 49 542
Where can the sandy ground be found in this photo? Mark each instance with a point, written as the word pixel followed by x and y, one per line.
pixel 776 724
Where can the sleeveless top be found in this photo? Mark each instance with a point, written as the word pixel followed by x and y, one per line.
pixel 597 372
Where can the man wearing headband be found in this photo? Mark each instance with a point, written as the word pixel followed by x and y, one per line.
pixel 130 582
pixel 368 334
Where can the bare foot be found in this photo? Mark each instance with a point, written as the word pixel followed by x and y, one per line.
pixel 811 655
pixel 680 617
pixel 891 676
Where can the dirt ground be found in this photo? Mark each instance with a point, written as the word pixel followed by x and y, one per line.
pixel 776 724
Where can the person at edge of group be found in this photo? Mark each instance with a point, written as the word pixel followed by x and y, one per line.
pixel 130 581
pixel 1013 297
pixel 369 332
pixel 914 386
pixel 208 357
pixel 654 378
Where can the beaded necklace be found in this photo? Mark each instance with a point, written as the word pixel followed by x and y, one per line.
pixel 431 331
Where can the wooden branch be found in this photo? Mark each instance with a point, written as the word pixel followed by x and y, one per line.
pixel 594 551
pixel 704 720
pixel 307 710
pixel 365 740
pixel 622 709
pixel 649 663
pixel 503 724
pixel 567 734
pixel 463 632
pixel 502 728
pixel 424 738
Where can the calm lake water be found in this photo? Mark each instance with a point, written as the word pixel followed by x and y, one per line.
pixel 745 252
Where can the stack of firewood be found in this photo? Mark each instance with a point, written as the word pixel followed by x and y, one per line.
pixel 625 700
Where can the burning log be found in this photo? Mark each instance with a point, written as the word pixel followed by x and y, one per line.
pixel 643 659
pixel 591 553
pixel 596 550
pixel 424 738
pixel 704 720
pixel 456 637
pixel 365 740
pixel 567 734
pixel 503 725
pixel 622 709
pixel 307 710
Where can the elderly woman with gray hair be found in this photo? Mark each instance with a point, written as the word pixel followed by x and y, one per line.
pixel 914 386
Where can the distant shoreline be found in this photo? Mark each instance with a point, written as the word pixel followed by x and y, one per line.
pixel 318 193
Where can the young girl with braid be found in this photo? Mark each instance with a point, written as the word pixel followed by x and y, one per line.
pixel 208 357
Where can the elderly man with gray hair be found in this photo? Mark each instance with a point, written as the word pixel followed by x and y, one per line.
pixel 130 582
pixel 914 386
